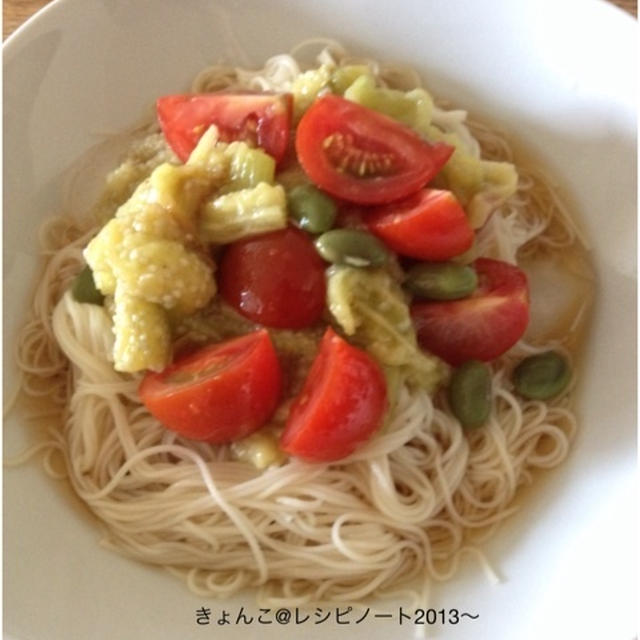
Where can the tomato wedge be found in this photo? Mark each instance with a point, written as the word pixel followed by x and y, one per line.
pixel 220 393
pixel 428 225
pixel 340 406
pixel 362 156
pixel 276 279
pixel 481 327
pixel 260 119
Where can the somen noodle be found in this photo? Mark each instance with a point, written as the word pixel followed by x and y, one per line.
pixel 405 506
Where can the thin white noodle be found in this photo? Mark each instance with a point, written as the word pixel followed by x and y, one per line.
pixel 402 508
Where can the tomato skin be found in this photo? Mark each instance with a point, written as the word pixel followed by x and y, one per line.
pixel 262 119
pixel 414 162
pixel 340 406
pixel 276 279
pixel 220 393
pixel 428 225
pixel 481 327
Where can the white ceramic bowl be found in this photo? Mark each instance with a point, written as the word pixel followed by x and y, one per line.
pixel 557 76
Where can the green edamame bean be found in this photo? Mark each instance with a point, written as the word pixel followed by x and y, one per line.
pixel 542 376
pixel 313 210
pixel 353 247
pixel 470 393
pixel 84 288
pixel 441 281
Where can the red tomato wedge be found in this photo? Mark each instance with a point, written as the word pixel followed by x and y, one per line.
pixel 276 279
pixel 481 327
pixel 340 406
pixel 260 119
pixel 220 393
pixel 428 225
pixel 362 156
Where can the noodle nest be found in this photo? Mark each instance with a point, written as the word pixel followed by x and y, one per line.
pixel 399 512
